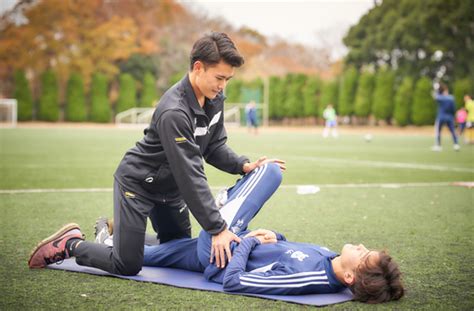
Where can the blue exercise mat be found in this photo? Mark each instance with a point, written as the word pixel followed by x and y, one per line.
pixel 195 280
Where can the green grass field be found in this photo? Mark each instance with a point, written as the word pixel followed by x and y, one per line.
pixel 391 193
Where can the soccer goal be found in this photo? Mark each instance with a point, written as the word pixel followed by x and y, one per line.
pixel 8 112
pixel 135 117
pixel 235 114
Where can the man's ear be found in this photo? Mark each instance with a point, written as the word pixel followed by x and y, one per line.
pixel 349 277
pixel 198 66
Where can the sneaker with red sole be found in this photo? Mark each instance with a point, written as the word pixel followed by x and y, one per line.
pixel 53 249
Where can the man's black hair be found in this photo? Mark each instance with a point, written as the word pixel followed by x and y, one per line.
pixel 214 47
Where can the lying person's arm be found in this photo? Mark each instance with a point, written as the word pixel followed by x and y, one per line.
pixel 236 279
pixel 268 234
pixel 289 276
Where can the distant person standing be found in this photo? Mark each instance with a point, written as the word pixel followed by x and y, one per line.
pixel 469 104
pixel 446 109
pixel 329 115
pixel 251 116
pixel 461 117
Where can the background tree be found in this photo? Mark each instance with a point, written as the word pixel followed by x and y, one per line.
pixel 403 101
pixel 48 101
pixel 127 93
pixel 311 93
pixel 149 94
pixel 416 37
pixel 424 106
pixel 233 91
pixel 295 103
pixel 75 99
pixel 329 95
pixel 284 95
pixel 274 108
pixel 22 93
pixel 461 88
pixel 363 98
pixel 100 106
pixel 347 88
pixel 138 65
pixel 382 100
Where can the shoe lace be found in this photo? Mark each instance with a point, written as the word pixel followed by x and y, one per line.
pixel 57 258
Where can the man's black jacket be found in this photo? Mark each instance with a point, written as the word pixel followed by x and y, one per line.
pixel 167 164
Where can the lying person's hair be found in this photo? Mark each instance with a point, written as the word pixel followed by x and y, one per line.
pixel 378 282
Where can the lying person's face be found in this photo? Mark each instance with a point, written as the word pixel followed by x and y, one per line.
pixel 352 256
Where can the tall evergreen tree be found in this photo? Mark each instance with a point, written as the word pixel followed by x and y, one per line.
pixel 75 99
pixel 424 107
pixel 329 95
pixel 127 93
pixel 100 106
pixel 347 89
pixel 274 109
pixel 49 101
pixel 295 96
pixel 403 102
pixel 363 99
pixel 149 94
pixel 461 88
pixel 284 95
pixel 233 91
pixel 382 100
pixel 22 93
pixel 311 93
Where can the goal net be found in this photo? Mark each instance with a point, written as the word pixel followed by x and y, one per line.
pixel 8 112
pixel 235 114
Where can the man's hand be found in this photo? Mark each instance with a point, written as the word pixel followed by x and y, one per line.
pixel 221 247
pixel 248 167
pixel 263 235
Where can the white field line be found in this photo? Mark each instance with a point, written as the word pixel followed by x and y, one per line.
pixel 385 164
pixel 374 185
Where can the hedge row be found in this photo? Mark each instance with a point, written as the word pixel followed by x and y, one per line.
pixel 79 106
pixel 382 95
